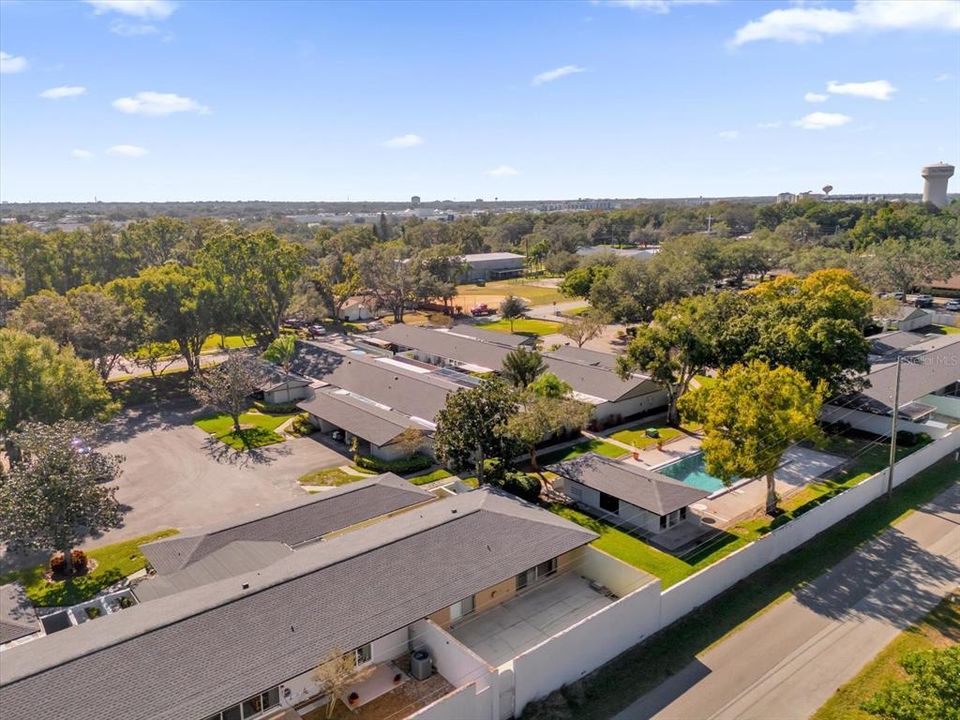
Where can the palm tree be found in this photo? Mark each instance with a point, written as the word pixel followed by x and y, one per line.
pixel 512 308
pixel 521 367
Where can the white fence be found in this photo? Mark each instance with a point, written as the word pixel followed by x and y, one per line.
pixel 599 638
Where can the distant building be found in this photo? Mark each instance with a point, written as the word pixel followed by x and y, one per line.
pixel 491 266
pixel 415 200
pixel 631 252
pixel 786 197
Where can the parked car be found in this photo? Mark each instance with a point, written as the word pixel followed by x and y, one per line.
pixel 952 306
pixel 316 330
pixel 895 295
pixel 923 301
pixel 482 310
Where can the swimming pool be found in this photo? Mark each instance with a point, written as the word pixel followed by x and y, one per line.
pixel 691 470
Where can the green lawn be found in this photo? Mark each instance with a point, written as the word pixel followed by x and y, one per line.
pixel 524 326
pixel 705 380
pixel 332 476
pixel 607 691
pixel 637 437
pixel 939 329
pixel 213 343
pixel 432 476
pixel 535 294
pixel 940 628
pixel 258 429
pixel 113 563
pixel 598 446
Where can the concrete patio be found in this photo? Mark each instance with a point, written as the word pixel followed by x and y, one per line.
pixel 502 633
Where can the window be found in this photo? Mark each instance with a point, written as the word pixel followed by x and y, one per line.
pixel 609 503
pixel 543 570
pixel 574 490
pixel 547 569
pixel 362 655
pixel 232 713
pixel 663 522
pixel 252 706
pixel 683 513
pixel 461 608
pixel 523 578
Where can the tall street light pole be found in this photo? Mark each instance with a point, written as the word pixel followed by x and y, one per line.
pixel 893 430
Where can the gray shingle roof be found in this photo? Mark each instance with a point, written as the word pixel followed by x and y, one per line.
pixel 644 488
pixel 572 353
pixel 17 616
pixel 375 424
pixel 446 345
pixel 191 654
pixel 497 338
pixel 290 523
pixel 411 393
pixel 597 381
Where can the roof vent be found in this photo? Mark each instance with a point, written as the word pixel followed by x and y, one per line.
pixel 453 512
pixel 245 586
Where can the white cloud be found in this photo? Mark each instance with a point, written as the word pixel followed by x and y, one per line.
pixel 875 89
pixel 943 77
pixel 404 141
pixel 770 125
pixel 556 74
pixel 159 9
pixel 503 171
pixel 815 97
pixel 822 121
pixel 157 104
pixel 805 24
pixel 10 64
pixel 728 134
pixel 661 7
pixel 64 91
pixel 127 151
pixel 82 154
pixel 125 29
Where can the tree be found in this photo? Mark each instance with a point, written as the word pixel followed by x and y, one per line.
pixel 468 427
pixel 548 385
pixel 521 367
pixel 931 692
pixel 228 386
pixel 176 303
pixel 905 264
pixel 282 350
pixel 256 275
pixel 885 310
pixel 105 328
pixel 45 313
pixel 58 494
pixel 40 382
pixel 336 672
pixel 336 279
pixel 583 328
pixel 675 347
pixel 542 416
pixel 750 416
pixel 410 441
pixel 513 308
pixel 388 277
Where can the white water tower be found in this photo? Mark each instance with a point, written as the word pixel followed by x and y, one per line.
pixel 935 178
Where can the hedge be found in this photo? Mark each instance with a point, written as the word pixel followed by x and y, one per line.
pixel 414 463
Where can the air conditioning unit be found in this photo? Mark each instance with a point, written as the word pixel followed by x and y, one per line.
pixel 421 666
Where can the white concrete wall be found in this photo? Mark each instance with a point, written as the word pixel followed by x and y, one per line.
pixel 286 394
pixel 620 578
pixel 466 703
pixel 631 406
pixel 578 650
pixel 876 424
pixel 452 659
pixel 629 515
pixel 390 646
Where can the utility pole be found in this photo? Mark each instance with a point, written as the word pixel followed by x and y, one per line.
pixel 893 430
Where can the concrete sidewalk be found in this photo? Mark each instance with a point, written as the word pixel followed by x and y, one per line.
pixel 787 662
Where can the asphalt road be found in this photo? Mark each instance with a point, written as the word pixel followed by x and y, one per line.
pixel 784 664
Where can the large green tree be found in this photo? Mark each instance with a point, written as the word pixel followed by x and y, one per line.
pixel 44 383
pixel 59 493
pixel 930 692
pixel 750 416
pixel 469 427
pixel 228 387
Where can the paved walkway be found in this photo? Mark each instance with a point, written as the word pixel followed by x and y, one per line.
pixel 551 311
pixel 788 661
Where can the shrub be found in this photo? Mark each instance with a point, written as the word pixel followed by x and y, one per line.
pixel 125 602
pixel 414 463
pixel 270 408
pixel 303 426
pixel 519 484
pixel 93 612
pixel 907 438
pixel 79 558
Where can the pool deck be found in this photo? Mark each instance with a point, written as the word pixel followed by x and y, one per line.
pixel 652 458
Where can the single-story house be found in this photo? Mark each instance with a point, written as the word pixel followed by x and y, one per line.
pixel 627 252
pixel 194 558
pixel 491 266
pixel 246 646
pixel 627 494
pixel 282 388
pixel 910 318
pixel 509 340
pixel 358 309
pixel 589 373
pixel 928 401
pixel 18 620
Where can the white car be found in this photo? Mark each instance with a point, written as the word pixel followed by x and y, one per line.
pixel 952 306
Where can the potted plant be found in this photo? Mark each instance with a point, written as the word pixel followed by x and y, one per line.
pixel 93 612
pixel 397 678
pixel 353 698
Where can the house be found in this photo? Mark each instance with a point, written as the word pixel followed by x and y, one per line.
pixel 18 620
pixel 628 494
pixel 590 374
pixel 358 309
pixel 497 338
pixel 908 317
pixel 627 252
pixel 394 593
pixel 491 266
pixel 282 388
pixel 192 559
pixel 929 394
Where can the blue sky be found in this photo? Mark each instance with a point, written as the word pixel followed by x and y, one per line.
pixel 161 100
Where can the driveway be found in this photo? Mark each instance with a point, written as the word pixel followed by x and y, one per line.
pixel 786 662
pixel 176 475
